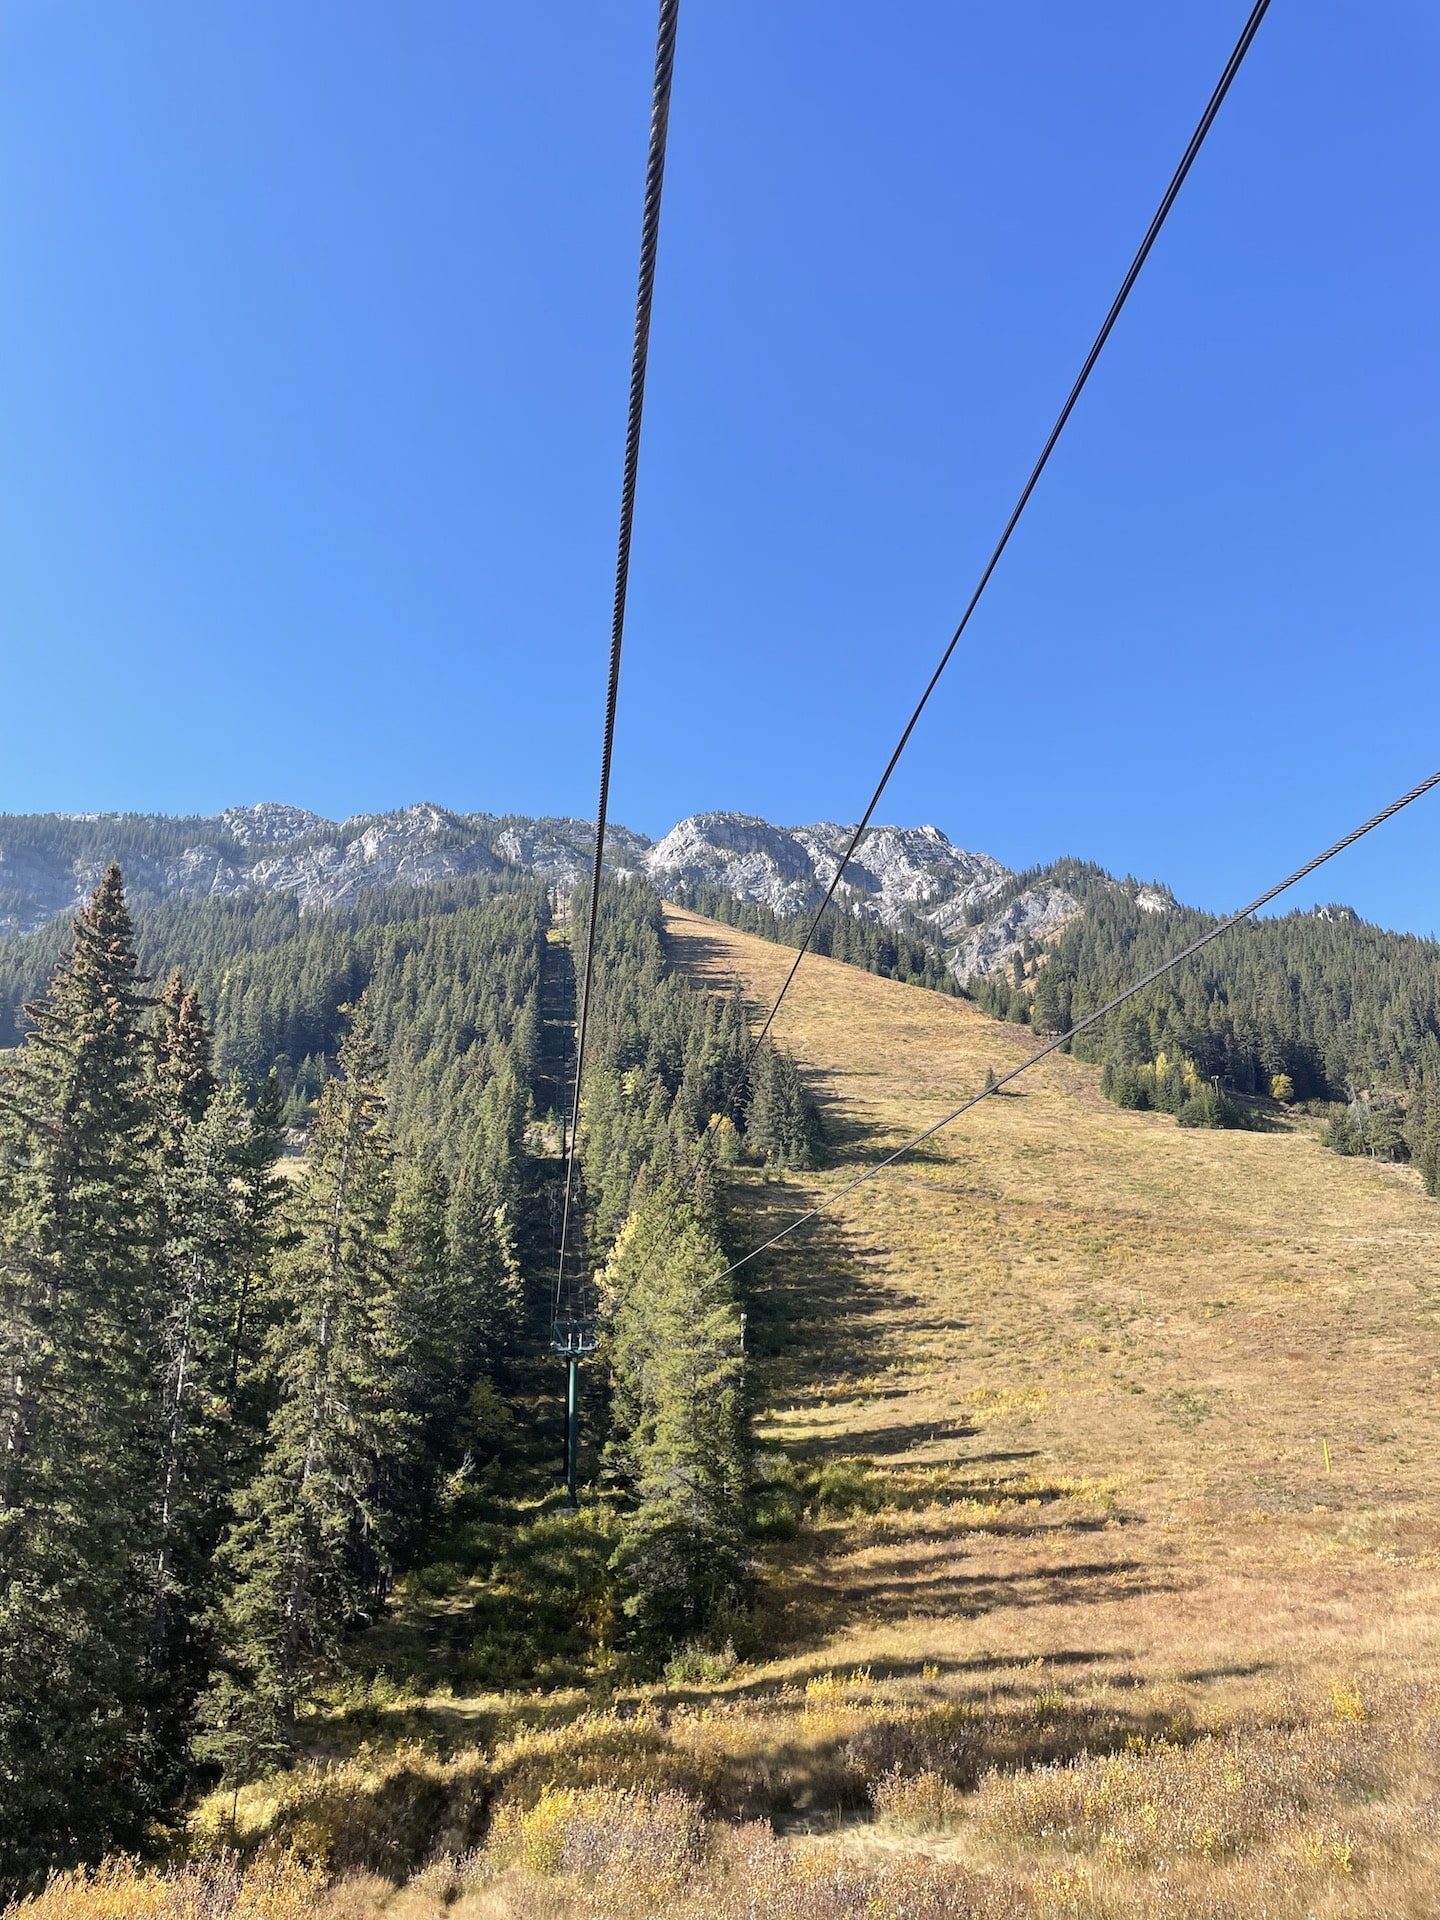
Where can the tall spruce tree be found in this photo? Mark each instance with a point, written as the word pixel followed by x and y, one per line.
pixel 214 1172
pixel 311 1548
pixel 679 1427
pixel 780 1121
pixel 79 1312
pixel 260 1195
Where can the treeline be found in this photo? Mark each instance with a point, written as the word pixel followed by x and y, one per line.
pixel 907 950
pixel 1338 1009
pixel 1323 998
pixel 1170 1086
pixel 451 974
pixel 231 1403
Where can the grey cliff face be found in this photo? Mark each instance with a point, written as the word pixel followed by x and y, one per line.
pixel 49 863
pixel 1036 914
pixel 896 869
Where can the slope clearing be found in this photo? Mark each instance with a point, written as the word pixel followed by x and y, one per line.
pixel 1129 1345
pixel 1131 1431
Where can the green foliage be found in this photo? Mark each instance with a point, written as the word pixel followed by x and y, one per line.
pixel 315 1531
pixel 1373 1129
pixel 699 1665
pixel 679 1441
pixel 239 1407
pixel 1322 998
pixel 450 974
pixel 1169 1086
pixel 78 1320
pixel 1050 1009
pixel 670 1083
pixel 780 1124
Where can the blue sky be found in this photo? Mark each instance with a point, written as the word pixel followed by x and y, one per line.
pixel 314 334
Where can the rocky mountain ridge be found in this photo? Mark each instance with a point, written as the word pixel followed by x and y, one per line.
pixel 49 862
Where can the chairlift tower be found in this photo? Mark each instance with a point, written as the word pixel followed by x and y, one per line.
pixel 574 1337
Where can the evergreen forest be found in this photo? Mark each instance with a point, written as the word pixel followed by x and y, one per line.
pixel 278 1202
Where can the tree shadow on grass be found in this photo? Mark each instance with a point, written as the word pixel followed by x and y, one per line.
pixel 814 1318
pixel 900 1588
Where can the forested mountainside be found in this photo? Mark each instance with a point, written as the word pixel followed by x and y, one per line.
pixel 237 1407
pixel 1331 1007
pixel 1334 1006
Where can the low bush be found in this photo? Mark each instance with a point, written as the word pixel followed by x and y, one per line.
pixel 382 1814
pixel 1217 1798
pixel 842 1487
pixel 698 1665
pixel 917 1802
pixel 277 1886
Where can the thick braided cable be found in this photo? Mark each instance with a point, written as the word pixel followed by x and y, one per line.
pixel 1155 973
pixel 1197 140
pixel 649 246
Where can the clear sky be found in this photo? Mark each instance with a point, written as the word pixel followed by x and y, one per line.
pixel 314 334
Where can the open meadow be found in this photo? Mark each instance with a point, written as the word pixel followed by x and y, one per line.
pixel 1101 1569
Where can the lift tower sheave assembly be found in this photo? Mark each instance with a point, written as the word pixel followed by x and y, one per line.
pixel 574 1337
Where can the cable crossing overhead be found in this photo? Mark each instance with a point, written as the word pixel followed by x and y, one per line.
pixel 1090 1020
pixel 1187 160
pixel 573 1332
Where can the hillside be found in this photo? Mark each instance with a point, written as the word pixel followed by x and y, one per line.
pixel 1343 1010
pixel 1101 1573
pixel 1176 1316
pixel 1096 1362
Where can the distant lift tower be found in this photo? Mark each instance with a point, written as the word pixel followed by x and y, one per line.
pixel 574 1337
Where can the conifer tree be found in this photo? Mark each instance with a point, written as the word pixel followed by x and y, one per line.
pixel 489 1296
pixel 312 1543
pixel 194 1444
pixel 780 1124
pixel 78 1312
pixel 677 1371
pixel 260 1192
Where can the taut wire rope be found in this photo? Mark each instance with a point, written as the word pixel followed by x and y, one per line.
pixel 649 246
pixel 1197 140
pixel 1090 1019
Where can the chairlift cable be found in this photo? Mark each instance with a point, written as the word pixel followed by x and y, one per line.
pixel 649 244
pixel 1197 140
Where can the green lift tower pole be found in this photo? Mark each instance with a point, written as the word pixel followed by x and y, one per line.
pixel 574 1337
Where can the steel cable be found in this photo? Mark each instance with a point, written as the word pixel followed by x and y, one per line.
pixel 1156 973
pixel 1197 140
pixel 649 246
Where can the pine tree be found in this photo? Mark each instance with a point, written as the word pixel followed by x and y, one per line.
pixel 678 1373
pixel 181 1057
pixel 488 1293
pixel 780 1123
pixel 259 1199
pixel 195 1448
pixel 78 1318
pixel 311 1548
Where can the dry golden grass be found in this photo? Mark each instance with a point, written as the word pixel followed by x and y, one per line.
pixel 1092 1358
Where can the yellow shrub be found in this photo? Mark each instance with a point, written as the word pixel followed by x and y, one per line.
pixel 274 1887
pixel 385 1813
pixel 637 1846
pixel 917 1802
